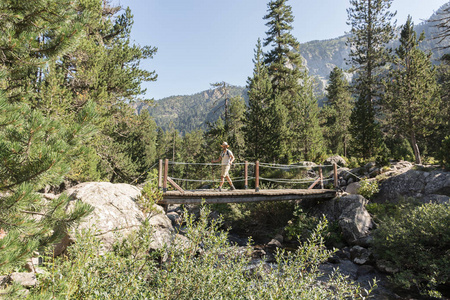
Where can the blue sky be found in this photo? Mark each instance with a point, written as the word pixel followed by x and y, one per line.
pixel 205 41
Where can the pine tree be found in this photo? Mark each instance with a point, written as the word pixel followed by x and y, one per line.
pixel 36 148
pixel 34 33
pixel 371 31
pixel 411 89
pixel 105 68
pixel 35 151
pixel 257 123
pixel 337 110
pixel 291 84
pixel 308 134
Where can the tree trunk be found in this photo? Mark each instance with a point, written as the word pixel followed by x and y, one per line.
pixel 415 148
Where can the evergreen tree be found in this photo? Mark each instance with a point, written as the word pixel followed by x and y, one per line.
pixel 290 83
pixel 257 123
pixel 371 31
pixel 34 33
pixel 35 151
pixel 36 148
pixel 105 68
pixel 441 136
pixel 337 110
pixel 308 134
pixel 411 90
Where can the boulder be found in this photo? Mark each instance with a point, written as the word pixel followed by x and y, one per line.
pixel 24 279
pixel 115 213
pixel 360 255
pixel 417 184
pixel 335 159
pixel 350 213
pixel 354 220
pixel 353 188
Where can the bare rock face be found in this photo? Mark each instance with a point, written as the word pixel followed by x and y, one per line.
pixel 354 220
pixel 335 159
pixel 115 211
pixel 426 186
pixel 351 214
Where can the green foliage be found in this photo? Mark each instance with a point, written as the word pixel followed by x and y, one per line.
pixel 207 267
pixel 150 194
pixel 368 188
pixel 256 219
pixel 337 110
pixel 35 151
pixel 370 21
pixel 445 151
pixel 302 226
pixel 411 97
pixel 257 116
pixel 416 243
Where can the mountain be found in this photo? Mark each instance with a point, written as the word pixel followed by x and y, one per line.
pixel 188 113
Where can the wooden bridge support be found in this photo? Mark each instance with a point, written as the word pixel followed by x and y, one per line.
pixel 160 174
pixel 166 171
pixel 257 176
pixel 246 174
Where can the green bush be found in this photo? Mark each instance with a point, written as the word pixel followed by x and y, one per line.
pixel 150 194
pixel 368 188
pixel 416 242
pixel 302 225
pixel 208 267
pixel 445 152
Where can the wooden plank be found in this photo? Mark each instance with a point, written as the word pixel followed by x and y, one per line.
pixel 175 185
pixel 314 183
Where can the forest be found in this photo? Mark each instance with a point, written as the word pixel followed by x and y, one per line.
pixel 70 78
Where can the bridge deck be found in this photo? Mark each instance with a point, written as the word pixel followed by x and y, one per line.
pixel 212 196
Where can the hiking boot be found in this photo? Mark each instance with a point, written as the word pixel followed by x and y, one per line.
pixel 218 189
pixel 232 188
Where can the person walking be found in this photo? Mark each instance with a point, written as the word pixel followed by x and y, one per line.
pixel 227 158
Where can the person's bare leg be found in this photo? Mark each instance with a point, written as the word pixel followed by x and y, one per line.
pixel 230 182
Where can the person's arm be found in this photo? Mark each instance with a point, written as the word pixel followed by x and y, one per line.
pixel 214 161
pixel 231 158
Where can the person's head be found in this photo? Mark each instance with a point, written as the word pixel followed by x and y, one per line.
pixel 224 145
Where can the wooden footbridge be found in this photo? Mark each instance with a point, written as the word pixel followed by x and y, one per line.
pixel 181 196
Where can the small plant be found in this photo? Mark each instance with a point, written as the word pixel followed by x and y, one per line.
pixel 368 188
pixel 302 225
pixel 150 194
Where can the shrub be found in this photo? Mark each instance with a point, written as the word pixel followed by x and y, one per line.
pixel 445 152
pixel 150 194
pixel 417 243
pixel 368 188
pixel 208 267
pixel 301 226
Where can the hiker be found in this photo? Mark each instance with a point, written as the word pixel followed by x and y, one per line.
pixel 227 158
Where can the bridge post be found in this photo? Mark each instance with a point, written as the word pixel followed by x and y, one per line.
pixel 246 174
pixel 321 177
pixel 335 176
pixel 160 174
pixel 257 176
pixel 166 170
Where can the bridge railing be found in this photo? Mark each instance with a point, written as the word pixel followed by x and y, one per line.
pixel 164 179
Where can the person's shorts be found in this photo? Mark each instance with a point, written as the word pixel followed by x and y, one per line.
pixel 225 170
